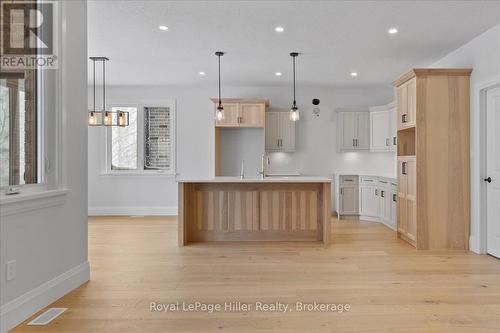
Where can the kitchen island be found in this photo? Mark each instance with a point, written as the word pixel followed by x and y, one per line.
pixel 269 209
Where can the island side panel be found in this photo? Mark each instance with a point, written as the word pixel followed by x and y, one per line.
pixel 185 212
pixel 326 212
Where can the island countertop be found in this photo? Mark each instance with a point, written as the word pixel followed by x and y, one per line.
pixel 290 179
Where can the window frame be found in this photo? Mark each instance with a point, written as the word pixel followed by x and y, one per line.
pixel 141 142
pixel 39 103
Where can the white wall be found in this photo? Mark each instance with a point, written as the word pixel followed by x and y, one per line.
pixel 49 244
pixel 316 142
pixel 482 54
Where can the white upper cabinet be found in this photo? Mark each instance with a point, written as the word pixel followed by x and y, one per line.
pixel 383 128
pixel 354 131
pixel 280 132
pixel 380 132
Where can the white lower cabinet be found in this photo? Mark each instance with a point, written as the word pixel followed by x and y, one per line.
pixel 348 203
pixel 368 201
pixel 368 197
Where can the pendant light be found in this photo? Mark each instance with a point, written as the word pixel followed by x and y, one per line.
pixel 294 111
pixel 220 109
pixel 105 117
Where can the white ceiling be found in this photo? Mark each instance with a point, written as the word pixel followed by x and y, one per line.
pixel 333 37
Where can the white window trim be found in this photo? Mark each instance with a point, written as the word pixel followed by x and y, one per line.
pixel 49 189
pixel 140 172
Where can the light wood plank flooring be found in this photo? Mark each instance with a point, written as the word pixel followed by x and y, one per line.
pixel 390 286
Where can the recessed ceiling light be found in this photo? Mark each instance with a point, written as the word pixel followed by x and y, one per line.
pixel 202 73
pixel 354 74
pixel 279 29
pixel 277 73
pixel 163 27
pixel 392 31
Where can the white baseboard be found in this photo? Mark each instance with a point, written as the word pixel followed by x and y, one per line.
pixel 16 311
pixel 131 210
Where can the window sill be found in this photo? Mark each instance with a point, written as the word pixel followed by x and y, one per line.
pixel 146 174
pixel 31 200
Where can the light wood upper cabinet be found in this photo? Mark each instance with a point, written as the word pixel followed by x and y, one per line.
pixel 280 132
pixel 252 115
pixel 231 114
pixel 241 113
pixel 407 104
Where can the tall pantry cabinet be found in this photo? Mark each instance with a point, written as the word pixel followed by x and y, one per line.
pixel 433 158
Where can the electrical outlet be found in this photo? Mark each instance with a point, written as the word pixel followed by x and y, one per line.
pixel 11 270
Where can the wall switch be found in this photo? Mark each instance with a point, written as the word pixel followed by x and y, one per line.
pixel 11 270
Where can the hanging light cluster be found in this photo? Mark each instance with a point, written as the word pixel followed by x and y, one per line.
pixel 220 109
pixel 294 111
pixel 104 117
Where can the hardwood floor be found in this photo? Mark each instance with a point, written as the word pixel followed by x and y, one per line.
pixel 388 284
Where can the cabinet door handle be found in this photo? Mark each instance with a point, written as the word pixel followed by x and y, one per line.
pixel 403 118
pixel 354 142
pixel 376 192
pixel 394 140
pixel 403 168
pixel 387 142
pixel 394 198
pixel 341 191
pixel 382 194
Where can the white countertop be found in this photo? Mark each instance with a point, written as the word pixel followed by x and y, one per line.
pixel 389 176
pixel 292 179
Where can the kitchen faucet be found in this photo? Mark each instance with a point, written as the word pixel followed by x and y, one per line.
pixel 263 162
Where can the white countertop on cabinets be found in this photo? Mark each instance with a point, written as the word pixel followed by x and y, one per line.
pixel 291 179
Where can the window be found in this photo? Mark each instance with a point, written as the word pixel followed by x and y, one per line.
pixel 19 155
pixel 124 142
pixel 147 145
pixel 157 139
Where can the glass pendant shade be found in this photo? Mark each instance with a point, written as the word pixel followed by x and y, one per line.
pixel 122 118
pixel 220 113
pixel 294 113
pixel 93 118
pixel 107 119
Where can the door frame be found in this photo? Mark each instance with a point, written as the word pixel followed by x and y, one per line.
pixel 478 162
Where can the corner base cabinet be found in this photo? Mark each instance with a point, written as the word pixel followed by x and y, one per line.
pixel 433 158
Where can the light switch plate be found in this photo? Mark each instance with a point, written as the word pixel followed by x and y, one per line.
pixel 11 270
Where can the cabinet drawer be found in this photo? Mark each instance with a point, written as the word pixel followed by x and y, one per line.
pixel 394 185
pixel 348 180
pixel 369 180
pixel 383 182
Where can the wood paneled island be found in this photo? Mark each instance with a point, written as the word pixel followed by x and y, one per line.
pixel 269 209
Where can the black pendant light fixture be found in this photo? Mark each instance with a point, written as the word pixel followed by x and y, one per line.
pixel 105 117
pixel 294 111
pixel 220 109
